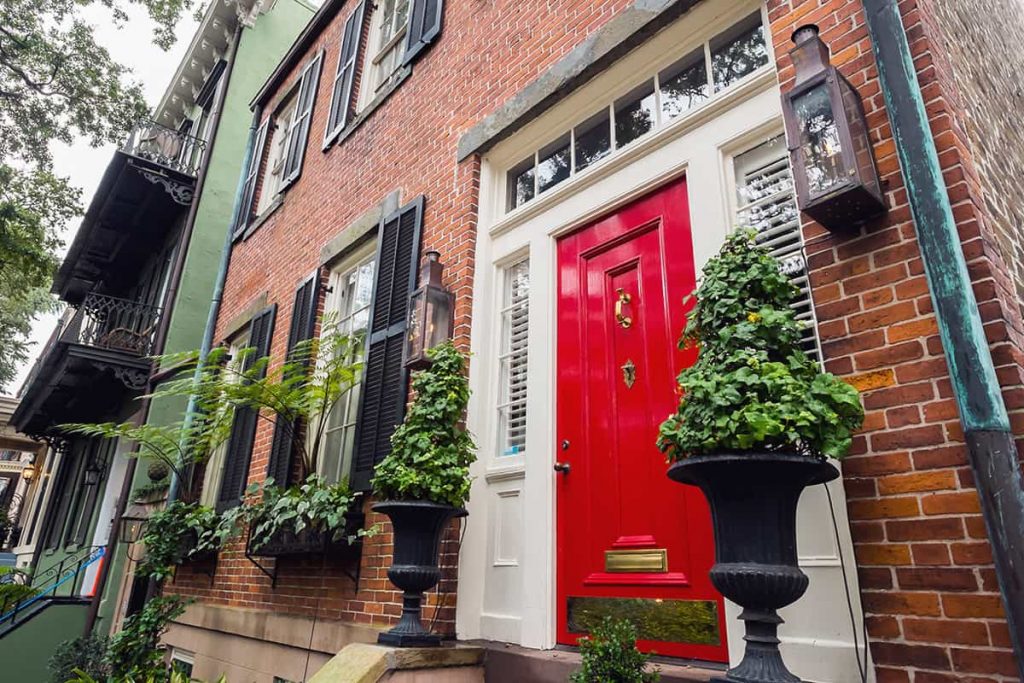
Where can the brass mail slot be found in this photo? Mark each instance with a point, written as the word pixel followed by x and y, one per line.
pixel 651 560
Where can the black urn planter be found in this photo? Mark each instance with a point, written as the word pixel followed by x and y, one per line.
pixel 417 527
pixel 753 499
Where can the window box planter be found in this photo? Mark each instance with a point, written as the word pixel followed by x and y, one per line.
pixel 309 541
pixel 186 544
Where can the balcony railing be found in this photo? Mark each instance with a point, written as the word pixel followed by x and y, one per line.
pixel 107 322
pixel 165 146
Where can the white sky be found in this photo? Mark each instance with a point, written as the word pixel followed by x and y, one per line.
pixel 130 45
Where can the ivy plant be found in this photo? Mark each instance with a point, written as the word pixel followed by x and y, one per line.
pixel 135 651
pixel 753 388
pixel 431 451
pixel 609 655
pixel 182 531
pixel 314 504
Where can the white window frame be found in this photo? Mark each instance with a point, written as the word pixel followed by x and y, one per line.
pixel 375 76
pixel 507 357
pixel 364 255
pixel 284 120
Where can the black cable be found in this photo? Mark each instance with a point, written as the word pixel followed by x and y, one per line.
pixel 443 602
pixel 316 613
pixel 862 668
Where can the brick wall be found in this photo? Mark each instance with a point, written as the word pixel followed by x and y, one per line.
pixel 925 565
pixel 925 568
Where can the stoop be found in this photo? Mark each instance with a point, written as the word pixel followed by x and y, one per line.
pixel 364 663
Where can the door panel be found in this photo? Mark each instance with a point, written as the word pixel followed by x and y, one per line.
pixel 630 542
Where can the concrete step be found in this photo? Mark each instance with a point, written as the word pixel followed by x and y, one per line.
pixel 506 663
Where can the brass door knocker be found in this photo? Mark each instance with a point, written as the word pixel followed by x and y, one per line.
pixel 623 298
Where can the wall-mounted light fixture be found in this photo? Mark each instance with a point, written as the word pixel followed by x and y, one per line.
pixel 829 146
pixel 133 519
pixel 431 308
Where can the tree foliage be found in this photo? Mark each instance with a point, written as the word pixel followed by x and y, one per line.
pixel 753 387
pixel 431 451
pixel 56 84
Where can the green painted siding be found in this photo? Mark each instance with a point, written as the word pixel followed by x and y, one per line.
pixel 25 650
pixel 259 52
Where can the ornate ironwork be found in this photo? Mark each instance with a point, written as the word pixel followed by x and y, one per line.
pixel 165 146
pixel 107 322
pixel 180 192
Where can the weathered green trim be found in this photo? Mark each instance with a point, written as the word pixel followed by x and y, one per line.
pixel 963 337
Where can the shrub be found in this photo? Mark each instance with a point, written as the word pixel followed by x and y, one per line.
pixel 134 651
pixel 84 655
pixel 752 387
pixel 181 531
pixel 431 451
pixel 610 656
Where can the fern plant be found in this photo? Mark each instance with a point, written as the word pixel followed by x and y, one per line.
pixel 753 388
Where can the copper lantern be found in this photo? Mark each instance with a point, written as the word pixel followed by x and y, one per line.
pixel 830 151
pixel 430 315
pixel 133 520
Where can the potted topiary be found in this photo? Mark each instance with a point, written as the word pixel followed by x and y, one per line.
pixel 423 483
pixel 756 422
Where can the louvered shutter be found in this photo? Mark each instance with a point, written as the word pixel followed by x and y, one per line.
pixel 424 25
pixel 282 449
pixel 769 207
pixel 385 382
pixel 341 93
pixel 243 428
pixel 251 176
pixel 298 133
pixel 514 359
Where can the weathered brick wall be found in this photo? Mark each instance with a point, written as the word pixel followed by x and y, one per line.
pixel 925 568
pixel 925 565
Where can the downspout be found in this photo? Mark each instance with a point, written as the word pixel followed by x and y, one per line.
pixel 218 289
pixel 986 426
pixel 160 335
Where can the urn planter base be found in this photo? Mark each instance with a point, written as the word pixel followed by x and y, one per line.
pixel 753 499
pixel 417 527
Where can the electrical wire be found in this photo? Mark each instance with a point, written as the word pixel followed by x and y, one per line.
pixel 862 668
pixel 442 600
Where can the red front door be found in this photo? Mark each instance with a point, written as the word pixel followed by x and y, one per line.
pixel 630 542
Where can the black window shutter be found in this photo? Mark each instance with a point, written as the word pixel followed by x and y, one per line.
pixel 251 176
pixel 385 381
pixel 243 428
pixel 424 26
pixel 341 94
pixel 303 323
pixel 303 115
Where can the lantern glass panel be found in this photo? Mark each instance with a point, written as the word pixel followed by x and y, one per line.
pixel 863 157
pixel 415 342
pixel 437 317
pixel 819 140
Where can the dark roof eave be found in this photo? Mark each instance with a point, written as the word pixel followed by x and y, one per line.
pixel 309 35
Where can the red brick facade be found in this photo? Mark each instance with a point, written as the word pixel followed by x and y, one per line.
pixel 925 567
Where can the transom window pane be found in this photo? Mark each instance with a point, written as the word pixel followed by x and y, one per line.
pixel 593 140
pixel 353 292
pixel 635 115
pixel 738 52
pixel 515 326
pixel 766 203
pixel 553 166
pixel 683 85
pixel 522 183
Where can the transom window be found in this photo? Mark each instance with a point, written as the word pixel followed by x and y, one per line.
pixel 722 61
pixel 351 287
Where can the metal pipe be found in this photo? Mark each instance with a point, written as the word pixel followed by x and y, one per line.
pixel 983 415
pixel 218 289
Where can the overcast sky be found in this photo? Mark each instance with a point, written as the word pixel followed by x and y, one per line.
pixel 130 45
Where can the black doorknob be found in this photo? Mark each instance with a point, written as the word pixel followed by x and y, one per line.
pixel 562 467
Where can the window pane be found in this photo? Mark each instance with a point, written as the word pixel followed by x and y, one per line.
pixel 520 184
pixel 738 52
pixel 553 166
pixel 514 360
pixel 683 85
pixel 593 140
pixel 819 139
pixel 634 115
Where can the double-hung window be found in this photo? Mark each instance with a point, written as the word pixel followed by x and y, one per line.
pixel 378 39
pixel 214 468
pixel 351 295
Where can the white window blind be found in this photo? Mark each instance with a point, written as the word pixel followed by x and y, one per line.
pixel 766 203
pixel 515 326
